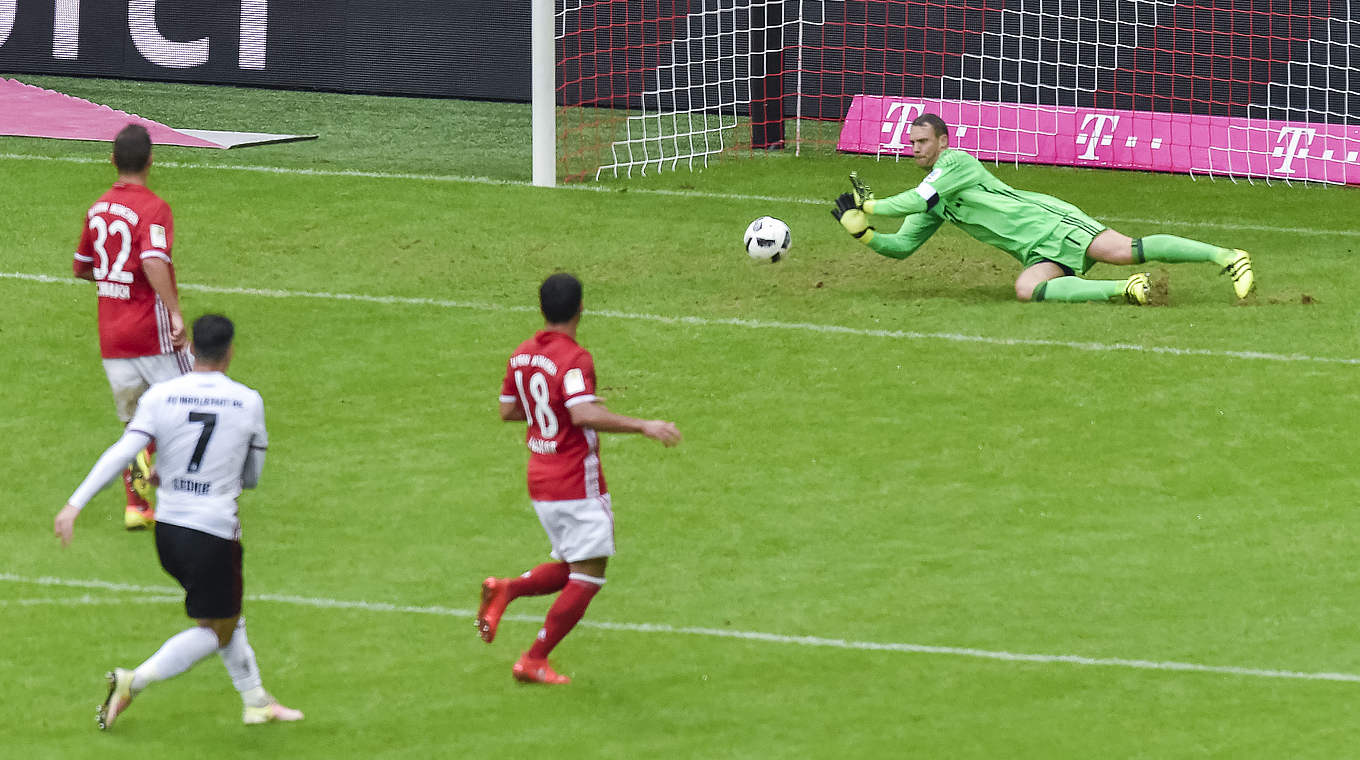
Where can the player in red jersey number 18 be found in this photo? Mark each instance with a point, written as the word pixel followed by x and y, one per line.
pixel 550 384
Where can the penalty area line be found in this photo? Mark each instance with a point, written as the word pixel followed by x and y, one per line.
pixel 165 593
pixel 697 194
pixel 753 324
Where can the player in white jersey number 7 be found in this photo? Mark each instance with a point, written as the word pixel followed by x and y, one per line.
pixel 211 439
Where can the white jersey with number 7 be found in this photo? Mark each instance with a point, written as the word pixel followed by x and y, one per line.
pixel 206 425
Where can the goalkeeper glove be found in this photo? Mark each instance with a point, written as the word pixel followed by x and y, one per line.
pixel 860 190
pixel 852 218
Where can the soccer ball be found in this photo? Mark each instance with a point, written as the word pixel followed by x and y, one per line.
pixel 767 239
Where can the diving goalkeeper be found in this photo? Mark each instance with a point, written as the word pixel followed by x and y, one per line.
pixel 1054 240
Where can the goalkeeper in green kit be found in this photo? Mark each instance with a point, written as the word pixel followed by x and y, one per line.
pixel 1054 240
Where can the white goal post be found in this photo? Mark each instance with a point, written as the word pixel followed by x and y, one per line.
pixel 543 86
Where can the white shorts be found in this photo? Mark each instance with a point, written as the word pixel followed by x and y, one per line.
pixel 579 529
pixel 129 378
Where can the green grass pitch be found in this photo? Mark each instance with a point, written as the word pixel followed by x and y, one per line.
pixel 880 457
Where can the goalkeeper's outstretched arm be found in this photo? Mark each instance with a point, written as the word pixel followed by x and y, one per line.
pixel 951 174
pixel 907 203
pixel 915 231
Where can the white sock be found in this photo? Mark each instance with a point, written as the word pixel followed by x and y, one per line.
pixel 176 655
pixel 239 658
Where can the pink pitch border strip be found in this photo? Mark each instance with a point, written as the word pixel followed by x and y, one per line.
pixel 1039 134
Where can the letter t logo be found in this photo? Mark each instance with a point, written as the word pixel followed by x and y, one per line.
pixel 1293 135
pixel 905 113
pixel 1097 135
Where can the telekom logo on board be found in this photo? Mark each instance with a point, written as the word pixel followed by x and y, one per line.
pixel 1113 139
pixel 898 116
pixel 1291 136
pixel 146 34
pixel 1098 122
pixel 1296 142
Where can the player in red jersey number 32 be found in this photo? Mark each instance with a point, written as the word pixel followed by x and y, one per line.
pixel 125 250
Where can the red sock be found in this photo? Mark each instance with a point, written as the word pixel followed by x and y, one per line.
pixel 548 578
pixel 564 614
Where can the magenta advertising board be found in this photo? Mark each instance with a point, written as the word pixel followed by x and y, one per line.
pixel 1113 139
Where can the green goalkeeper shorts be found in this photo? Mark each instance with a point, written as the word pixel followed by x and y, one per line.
pixel 1066 245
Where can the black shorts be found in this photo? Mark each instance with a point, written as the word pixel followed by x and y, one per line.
pixel 208 567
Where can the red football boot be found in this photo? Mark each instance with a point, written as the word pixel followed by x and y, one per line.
pixel 531 670
pixel 495 597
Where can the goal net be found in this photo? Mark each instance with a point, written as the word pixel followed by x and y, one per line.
pixel 1250 88
pixel 651 85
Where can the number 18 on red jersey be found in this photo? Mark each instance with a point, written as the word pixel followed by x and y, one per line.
pixel 547 375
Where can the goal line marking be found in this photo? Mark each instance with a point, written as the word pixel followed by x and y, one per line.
pixel 166 594
pixel 454 178
pixel 754 324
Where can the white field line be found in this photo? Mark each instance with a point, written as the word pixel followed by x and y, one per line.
pixel 754 324
pixel 165 594
pixel 1312 231
pixel 87 600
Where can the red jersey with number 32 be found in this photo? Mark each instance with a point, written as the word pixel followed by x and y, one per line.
pixel 547 375
pixel 126 226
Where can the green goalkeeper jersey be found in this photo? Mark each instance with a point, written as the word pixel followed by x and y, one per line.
pixel 959 189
